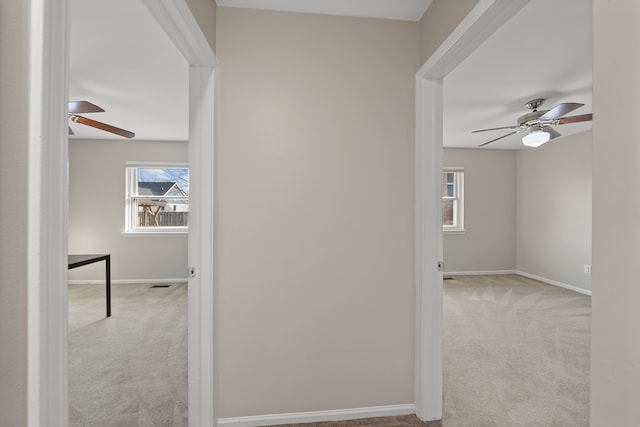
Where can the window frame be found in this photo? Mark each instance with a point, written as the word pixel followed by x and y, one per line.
pixel 458 211
pixel 131 178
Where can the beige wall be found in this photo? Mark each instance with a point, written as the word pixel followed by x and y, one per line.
pixel 316 220
pixel 554 210
pixel 96 211
pixel 489 243
pixel 204 11
pixel 615 367
pixel 442 17
pixel 13 212
pixel 616 349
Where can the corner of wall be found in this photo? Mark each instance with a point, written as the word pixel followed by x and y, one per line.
pixel 204 11
pixel 440 19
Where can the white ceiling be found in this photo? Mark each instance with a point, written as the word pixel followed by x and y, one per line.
pixel 545 51
pixel 406 10
pixel 121 60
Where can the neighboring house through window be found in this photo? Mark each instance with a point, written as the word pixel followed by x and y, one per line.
pixel 157 198
pixel 453 199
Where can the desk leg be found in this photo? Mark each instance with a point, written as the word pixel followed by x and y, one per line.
pixel 108 263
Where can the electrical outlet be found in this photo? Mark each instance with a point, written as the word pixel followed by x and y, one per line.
pixel 192 272
pixel 587 268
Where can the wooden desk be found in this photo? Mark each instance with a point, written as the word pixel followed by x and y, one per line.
pixel 76 261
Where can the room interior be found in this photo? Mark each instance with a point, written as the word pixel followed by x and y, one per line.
pixel 480 93
pixel 121 60
pixel 549 236
pixel 32 363
pixel 125 115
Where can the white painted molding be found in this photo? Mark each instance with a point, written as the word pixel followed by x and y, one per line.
pixel 203 247
pixel 125 281
pixel 554 283
pixel 47 214
pixel 428 251
pixel 478 273
pixel 175 17
pixel 485 18
pixel 48 200
pixel 318 416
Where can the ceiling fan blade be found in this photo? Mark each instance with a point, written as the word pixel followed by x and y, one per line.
pixel 102 126
pixel 504 127
pixel 575 119
pixel 494 140
pixel 551 131
pixel 83 107
pixel 560 110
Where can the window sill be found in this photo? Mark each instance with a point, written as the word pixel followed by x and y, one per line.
pixel 454 231
pixel 156 233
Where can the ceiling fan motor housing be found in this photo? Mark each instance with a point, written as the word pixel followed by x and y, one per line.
pixel 532 117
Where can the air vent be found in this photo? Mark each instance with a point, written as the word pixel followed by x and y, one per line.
pixel 160 286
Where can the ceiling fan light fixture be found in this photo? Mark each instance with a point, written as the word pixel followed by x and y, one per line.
pixel 535 138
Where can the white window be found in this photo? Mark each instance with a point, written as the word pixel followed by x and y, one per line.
pixel 453 199
pixel 157 198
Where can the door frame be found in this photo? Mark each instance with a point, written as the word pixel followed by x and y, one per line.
pixel 48 209
pixel 483 20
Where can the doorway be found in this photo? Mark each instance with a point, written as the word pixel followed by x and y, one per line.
pixel 48 197
pixel 485 18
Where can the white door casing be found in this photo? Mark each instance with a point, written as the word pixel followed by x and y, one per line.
pixel 48 209
pixel 483 20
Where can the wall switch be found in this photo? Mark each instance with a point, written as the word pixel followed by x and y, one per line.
pixel 587 268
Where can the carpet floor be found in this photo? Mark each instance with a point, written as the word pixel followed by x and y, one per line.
pixel 516 353
pixel 129 369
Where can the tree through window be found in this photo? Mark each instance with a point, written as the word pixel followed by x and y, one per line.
pixel 157 198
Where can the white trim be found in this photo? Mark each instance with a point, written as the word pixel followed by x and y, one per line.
pixel 147 164
pixel 485 18
pixel 203 247
pixel 125 281
pixel 182 232
pixel 47 214
pixel 318 416
pixel 459 197
pixel 176 19
pixel 554 283
pixel 428 251
pixel 131 226
pixel 48 194
pixel 479 273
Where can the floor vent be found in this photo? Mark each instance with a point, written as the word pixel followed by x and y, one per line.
pixel 160 286
pixel 448 278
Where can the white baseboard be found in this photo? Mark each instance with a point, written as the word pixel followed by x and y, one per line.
pixel 319 416
pixel 478 273
pixel 554 283
pixel 125 281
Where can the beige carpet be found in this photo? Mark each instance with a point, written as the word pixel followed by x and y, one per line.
pixel 129 369
pixel 516 353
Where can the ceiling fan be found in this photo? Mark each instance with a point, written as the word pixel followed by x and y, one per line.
pixel 538 124
pixel 81 107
